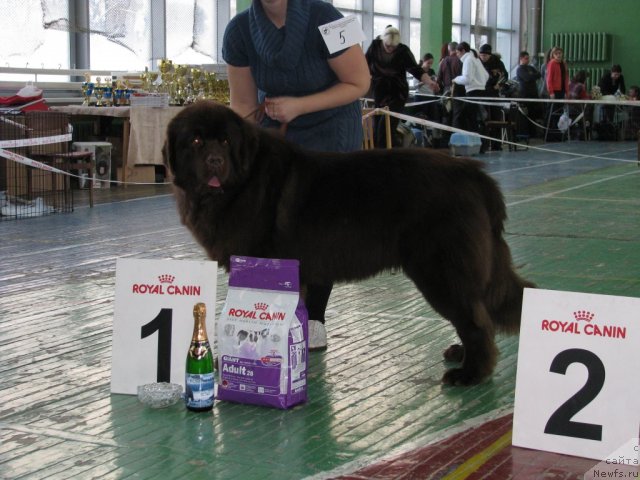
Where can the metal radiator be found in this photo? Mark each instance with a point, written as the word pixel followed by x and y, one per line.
pixel 584 46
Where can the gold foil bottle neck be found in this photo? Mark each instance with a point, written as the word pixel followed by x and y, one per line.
pixel 199 323
pixel 199 310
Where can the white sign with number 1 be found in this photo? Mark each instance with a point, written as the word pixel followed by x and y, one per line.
pixel 153 319
pixel 577 388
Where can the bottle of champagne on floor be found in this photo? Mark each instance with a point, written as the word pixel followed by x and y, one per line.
pixel 199 376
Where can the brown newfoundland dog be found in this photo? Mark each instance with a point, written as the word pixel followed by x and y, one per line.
pixel 242 190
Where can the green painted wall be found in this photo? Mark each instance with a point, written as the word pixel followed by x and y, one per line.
pixel 242 5
pixel 436 26
pixel 619 18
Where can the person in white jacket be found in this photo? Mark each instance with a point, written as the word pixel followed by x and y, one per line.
pixel 474 78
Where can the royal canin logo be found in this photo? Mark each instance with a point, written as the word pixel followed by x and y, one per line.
pixel 165 286
pixel 260 312
pixel 582 324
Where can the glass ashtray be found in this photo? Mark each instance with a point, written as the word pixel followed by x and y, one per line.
pixel 159 395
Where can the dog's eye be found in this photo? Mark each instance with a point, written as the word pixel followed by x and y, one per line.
pixel 225 142
pixel 197 142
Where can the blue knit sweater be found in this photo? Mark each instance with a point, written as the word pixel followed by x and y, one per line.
pixel 293 61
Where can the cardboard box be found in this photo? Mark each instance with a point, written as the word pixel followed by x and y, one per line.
pixel 139 174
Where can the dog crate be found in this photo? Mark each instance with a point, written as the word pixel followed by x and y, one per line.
pixel 42 188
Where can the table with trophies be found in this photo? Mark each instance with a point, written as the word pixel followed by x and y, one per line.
pixel 146 104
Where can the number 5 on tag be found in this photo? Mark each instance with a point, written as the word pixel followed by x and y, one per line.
pixel 577 389
pixel 342 33
pixel 153 319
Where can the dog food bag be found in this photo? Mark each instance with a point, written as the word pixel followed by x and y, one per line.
pixel 263 334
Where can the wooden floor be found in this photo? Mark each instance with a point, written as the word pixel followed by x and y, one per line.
pixel 376 407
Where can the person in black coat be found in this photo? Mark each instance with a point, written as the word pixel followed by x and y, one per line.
pixel 389 61
pixel 609 84
pixel 527 76
pixel 612 81
pixel 497 76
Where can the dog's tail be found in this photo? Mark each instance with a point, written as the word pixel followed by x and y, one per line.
pixel 504 295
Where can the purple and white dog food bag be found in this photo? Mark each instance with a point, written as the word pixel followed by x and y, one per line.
pixel 263 334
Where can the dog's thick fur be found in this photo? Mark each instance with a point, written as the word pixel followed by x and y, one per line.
pixel 242 190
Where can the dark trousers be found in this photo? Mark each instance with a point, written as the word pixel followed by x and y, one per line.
pixel 554 113
pixel 316 301
pixel 466 115
pixel 526 125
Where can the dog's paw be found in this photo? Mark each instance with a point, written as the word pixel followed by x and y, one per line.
pixel 461 377
pixel 455 353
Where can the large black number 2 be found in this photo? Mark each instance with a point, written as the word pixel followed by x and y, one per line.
pixel 560 422
pixel 162 325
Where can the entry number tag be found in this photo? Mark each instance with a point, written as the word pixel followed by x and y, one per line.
pixel 342 33
pixel 153 319
pixel 577 388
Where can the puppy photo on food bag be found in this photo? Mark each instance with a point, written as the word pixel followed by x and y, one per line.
pixel 243 190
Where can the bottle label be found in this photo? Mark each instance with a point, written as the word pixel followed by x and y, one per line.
pixel 199 389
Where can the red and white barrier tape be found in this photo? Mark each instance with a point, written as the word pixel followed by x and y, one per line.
pixel 29 142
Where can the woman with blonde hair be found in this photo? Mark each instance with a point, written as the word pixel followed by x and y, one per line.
pixel 389 62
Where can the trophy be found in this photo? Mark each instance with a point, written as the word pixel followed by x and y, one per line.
pixel 99 91
pixel 118 94
pixel 197 84
pixel 87 89
pixel 153 77
pixel 180 83
pixel 108 92
pixel 165 66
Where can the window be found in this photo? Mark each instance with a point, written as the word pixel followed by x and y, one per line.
pixel 191 32
pixel 389 7
pixel 34 35
pixel 120 36
pixel 350 4
pixel 376 15
pixel 488 21
pixel 132 34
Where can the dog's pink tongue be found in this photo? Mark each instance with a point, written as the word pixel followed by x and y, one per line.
pixel 214 182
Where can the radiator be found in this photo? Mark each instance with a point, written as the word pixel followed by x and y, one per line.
pixel 583 47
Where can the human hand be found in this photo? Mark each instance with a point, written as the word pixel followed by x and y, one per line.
pixel 281 109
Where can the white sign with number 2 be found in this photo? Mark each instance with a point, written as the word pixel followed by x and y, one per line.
pixel 153 318
pixel 577 388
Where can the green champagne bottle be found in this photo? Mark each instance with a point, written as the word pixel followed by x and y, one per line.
pixel 199 378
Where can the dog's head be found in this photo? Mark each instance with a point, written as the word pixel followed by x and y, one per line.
pixel 208 146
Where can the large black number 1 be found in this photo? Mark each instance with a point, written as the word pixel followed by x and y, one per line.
pixel 162 325
pixel 560 422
